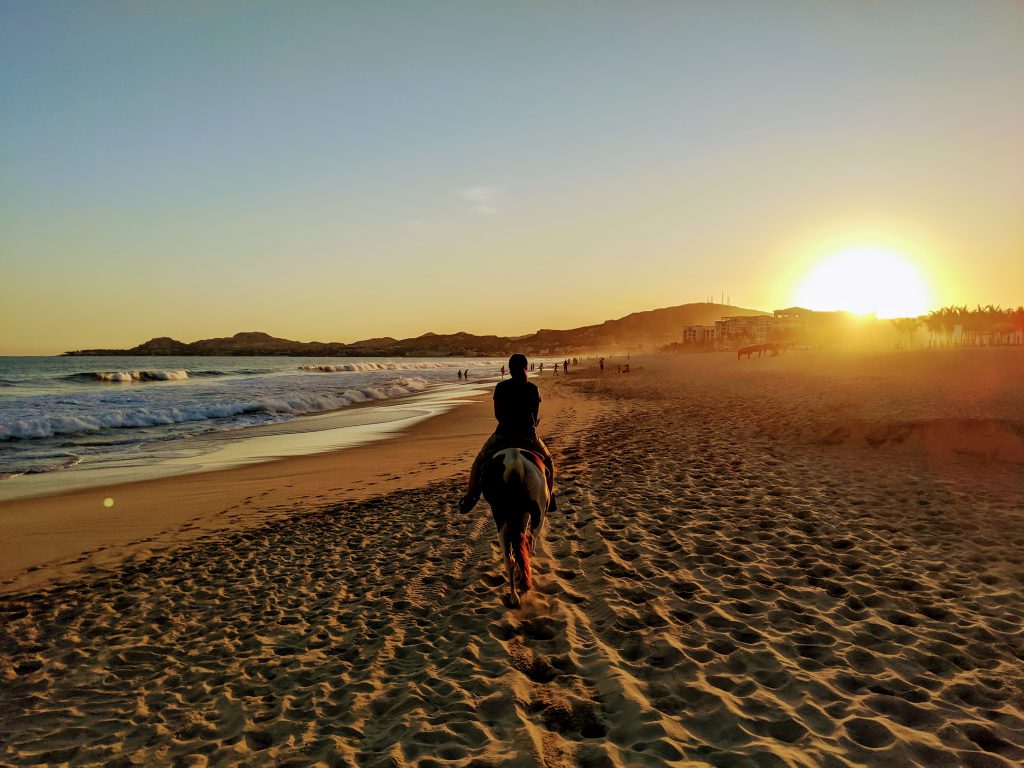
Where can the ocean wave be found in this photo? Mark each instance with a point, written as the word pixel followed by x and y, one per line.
pixel 349 367
pixel 120 377
pixel 239 372
pixel 56 463
pixel 419 365
pixel 135 417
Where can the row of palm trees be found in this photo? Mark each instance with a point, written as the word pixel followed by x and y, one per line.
pixel 988 326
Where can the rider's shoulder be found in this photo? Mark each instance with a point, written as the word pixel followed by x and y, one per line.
pixel 514 386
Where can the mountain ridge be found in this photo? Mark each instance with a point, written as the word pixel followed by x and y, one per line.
pixel 648 328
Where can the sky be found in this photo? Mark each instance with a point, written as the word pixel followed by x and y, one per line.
pixel 334 171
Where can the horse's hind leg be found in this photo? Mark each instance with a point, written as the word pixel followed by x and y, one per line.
pixel 534 541
pixel 510 567
pixel 521 547
pixel 535 536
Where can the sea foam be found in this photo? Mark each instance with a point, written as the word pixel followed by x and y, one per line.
pixel 122 377
pixel 135 417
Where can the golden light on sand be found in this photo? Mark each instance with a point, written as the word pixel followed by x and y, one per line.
pixel 866 279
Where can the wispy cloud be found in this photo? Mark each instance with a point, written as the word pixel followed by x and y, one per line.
pixel 483 198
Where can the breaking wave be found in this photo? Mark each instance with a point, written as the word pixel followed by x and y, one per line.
pixel 403 366
pixel 239 372
pixel 120 377
pixel 361 367
pixel 177 374
pixel 135 417
pixel 49 463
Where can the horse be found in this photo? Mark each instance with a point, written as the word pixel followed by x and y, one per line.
pixel 515 485
pixel 748 351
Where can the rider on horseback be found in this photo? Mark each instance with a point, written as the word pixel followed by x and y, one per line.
pixel 516 407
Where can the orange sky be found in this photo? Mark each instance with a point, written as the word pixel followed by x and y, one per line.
pixel 358 171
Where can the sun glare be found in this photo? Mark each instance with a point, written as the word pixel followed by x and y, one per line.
pixel 864 280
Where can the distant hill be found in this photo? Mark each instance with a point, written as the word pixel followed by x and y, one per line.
pixel 650 329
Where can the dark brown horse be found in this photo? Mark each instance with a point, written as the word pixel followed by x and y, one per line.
pixel 760 349
pixel 515 485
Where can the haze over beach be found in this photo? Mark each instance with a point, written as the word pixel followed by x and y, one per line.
pixel 267 274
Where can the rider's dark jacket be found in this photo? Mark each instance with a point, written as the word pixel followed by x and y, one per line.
pixel 516 405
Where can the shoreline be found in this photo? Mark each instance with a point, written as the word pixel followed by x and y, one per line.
pixel 62 535
pixel 307 434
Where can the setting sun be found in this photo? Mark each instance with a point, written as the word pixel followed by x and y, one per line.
pixel 865 280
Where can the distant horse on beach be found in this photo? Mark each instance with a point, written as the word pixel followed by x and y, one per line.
pixel 760 349
pixel 515 485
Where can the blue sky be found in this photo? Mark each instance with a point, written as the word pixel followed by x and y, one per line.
pixel 335 171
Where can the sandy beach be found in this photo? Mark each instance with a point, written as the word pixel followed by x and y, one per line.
pixel 808 560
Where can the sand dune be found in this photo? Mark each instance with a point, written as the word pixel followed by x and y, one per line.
pixel 721 586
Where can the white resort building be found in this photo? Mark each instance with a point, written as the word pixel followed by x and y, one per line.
pixel 743 329
pixel 792 325
pixel 698 334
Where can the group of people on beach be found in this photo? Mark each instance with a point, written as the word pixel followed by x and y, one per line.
pixel 563 365
pixel 533 368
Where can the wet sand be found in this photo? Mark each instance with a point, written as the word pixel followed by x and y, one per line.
pixel 810 560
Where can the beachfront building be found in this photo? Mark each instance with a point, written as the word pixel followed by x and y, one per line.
pixel 794 326
pixel 698 334
pixel 743 329
pixel 800 326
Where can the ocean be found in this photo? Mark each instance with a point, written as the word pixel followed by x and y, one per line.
pixel 71 422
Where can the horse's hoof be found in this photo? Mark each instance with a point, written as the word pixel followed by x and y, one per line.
pixel 513 600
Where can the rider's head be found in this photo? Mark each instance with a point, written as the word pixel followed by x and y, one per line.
pixel 517 363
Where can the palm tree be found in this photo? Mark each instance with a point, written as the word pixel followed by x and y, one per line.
pixel 905 328
pixel 949 322
pixel 935 323
pixel 1016 318
pixel 1002 328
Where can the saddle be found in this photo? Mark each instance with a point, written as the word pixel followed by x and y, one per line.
pixel 538 460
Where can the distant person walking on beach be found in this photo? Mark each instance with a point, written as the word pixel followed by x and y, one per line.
pixel 503 371
pixel 600 364
pixel 460 374
pixel 517 409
